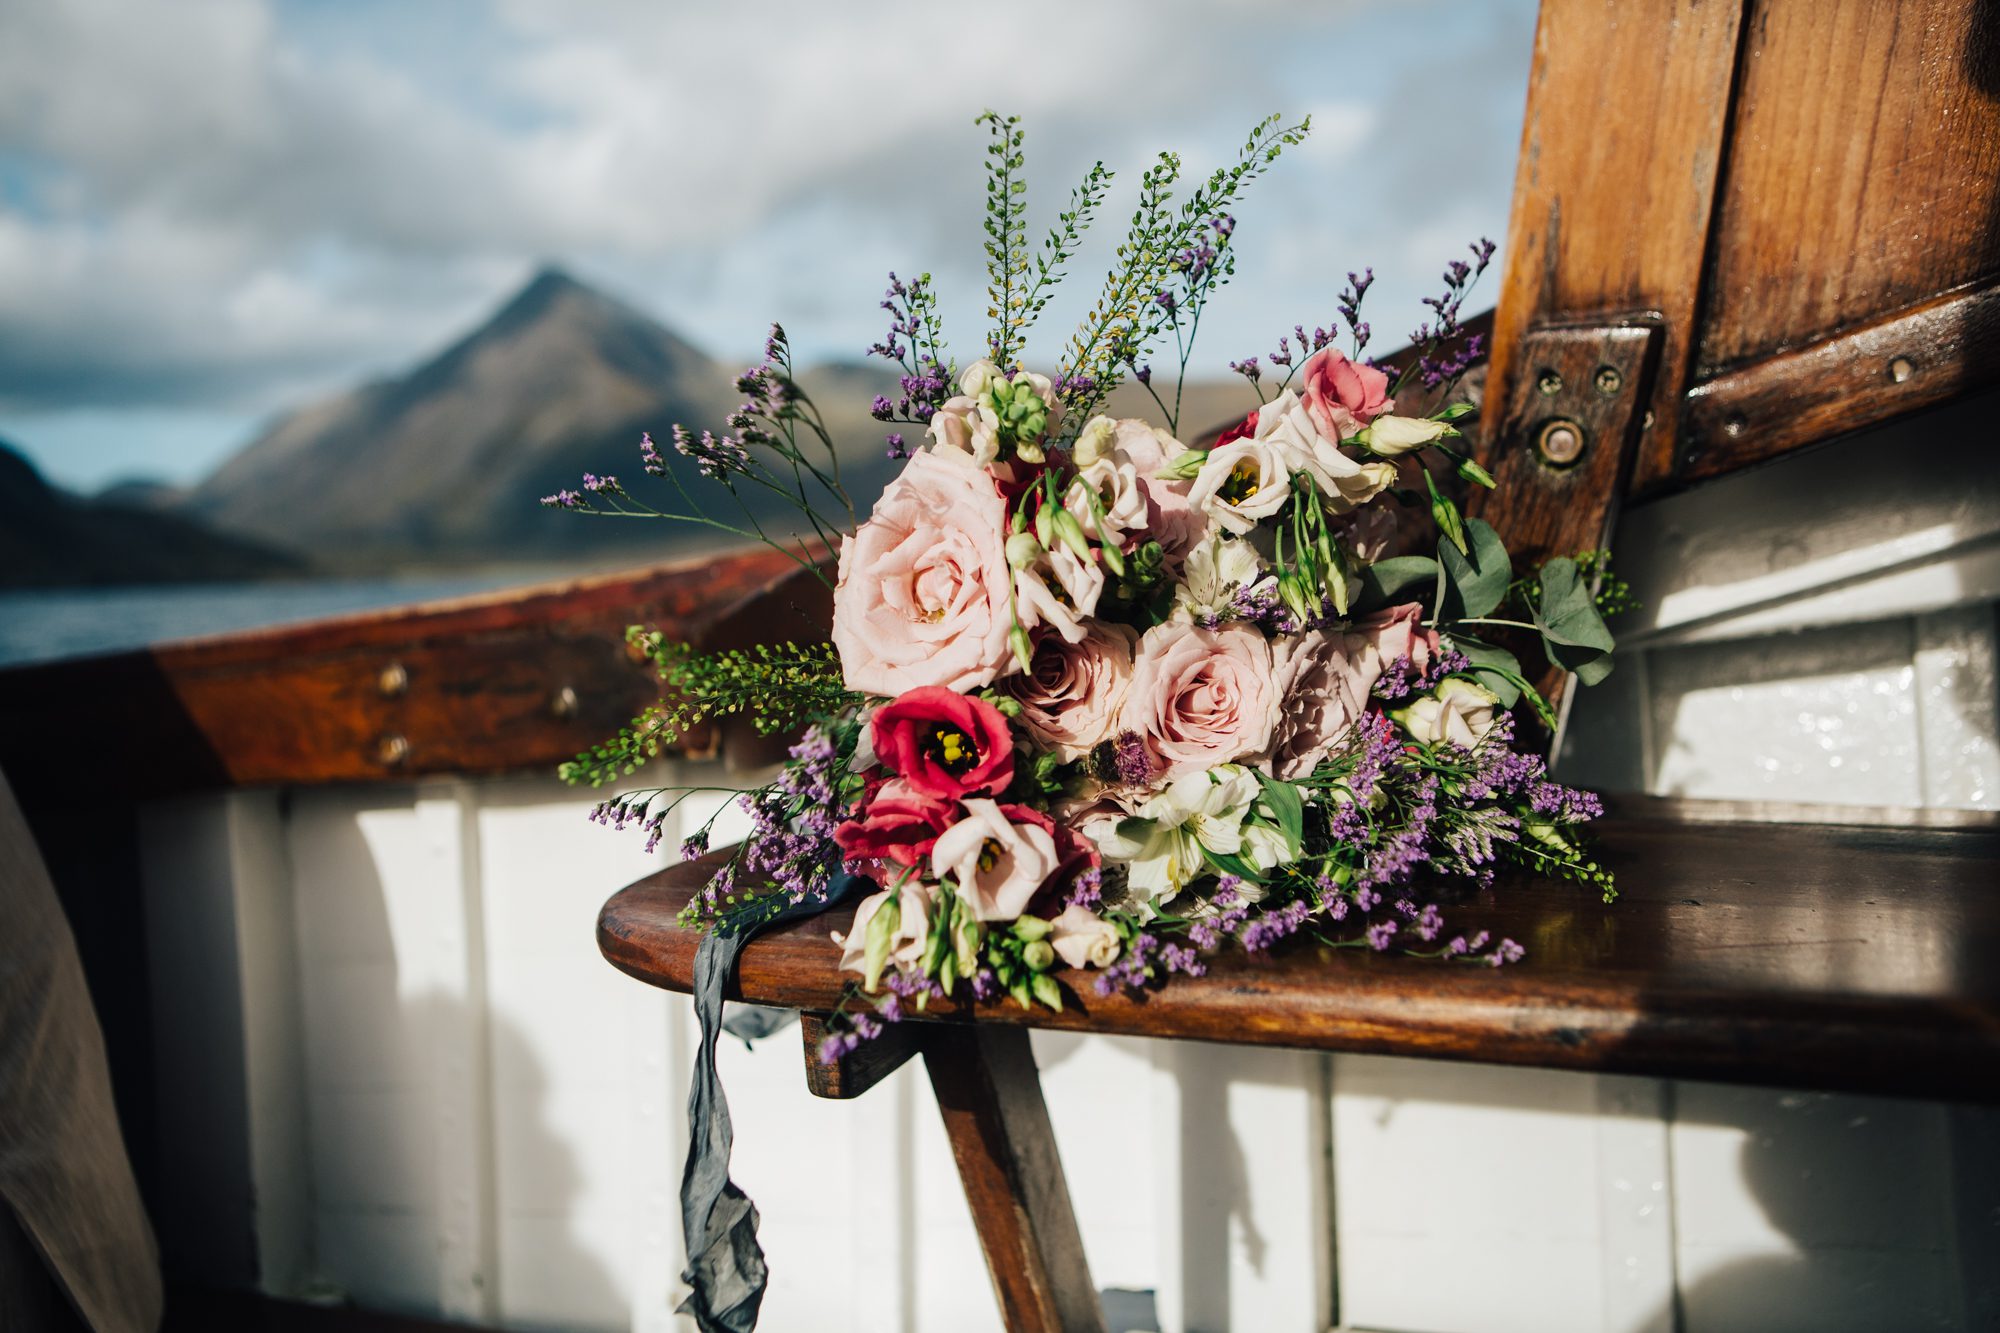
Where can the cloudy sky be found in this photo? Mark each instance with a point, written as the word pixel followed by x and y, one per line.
pixel 213 210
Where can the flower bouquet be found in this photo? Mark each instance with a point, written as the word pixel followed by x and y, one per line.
pixel 1101 700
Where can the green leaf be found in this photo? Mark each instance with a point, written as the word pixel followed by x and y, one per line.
pixel 1231 864
pixel 1288 807
pixel 1398 579
pixel 1489 660
pixel 1478 578
pixel 1446 514
pixel 1573 633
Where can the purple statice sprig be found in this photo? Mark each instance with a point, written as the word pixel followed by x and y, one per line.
pixel 915 342
pixel 1444 353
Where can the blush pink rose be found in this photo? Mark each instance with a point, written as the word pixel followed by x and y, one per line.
pixel 1386 637
pixel 923 591
pixel 1071 693
pixel 898 825
pixel 1201 697
pixel 1172 519
pixel 1341 395
pixel 1322 693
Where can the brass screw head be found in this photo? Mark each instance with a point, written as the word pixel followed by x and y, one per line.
pixel 1560 443
pixel 1900 369
pixel 1609 381
pixel 392 750
pixel 393 680
pixel 563 704
pixel 1549 383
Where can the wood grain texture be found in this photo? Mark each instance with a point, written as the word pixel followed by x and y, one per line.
pixel 481 686
pixel 1847 958
pixel 1921 358
pixel 860 1069
pixel 1863 173
pixel 1628 105
pixel 991 1099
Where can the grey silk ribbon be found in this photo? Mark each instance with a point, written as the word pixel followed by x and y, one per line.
pixel 726 1268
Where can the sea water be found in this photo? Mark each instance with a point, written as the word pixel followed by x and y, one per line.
pixel 43 624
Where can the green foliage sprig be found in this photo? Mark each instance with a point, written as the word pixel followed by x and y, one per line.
pixel 777 686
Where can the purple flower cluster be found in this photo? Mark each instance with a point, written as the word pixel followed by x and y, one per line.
pixel 1087 889
pixel 715 456
pixel 1349 306
pixel 1446 355
pixel 790 845
pixel 1270 927
pixel 1402 678
pixel 1134 967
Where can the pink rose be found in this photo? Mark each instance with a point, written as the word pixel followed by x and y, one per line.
pixel 1172 520
pixel 1382 639
pixel 898 824
pixel 997 864
pixel 1341 395
pixel 922 598
pixel 944 745
pixel 1322 693
pixel 1071 693
pixel 1201 697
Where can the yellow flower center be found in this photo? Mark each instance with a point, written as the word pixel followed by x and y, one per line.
pixel 989 854
pixel 952 749
pixel 1245 480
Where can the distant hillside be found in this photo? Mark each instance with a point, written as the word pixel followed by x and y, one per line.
pixel 49 538
pixel 447 462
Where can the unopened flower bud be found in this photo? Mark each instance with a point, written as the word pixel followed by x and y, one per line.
pixel 1071 533
pixel 1023 646
pixel 1023 550
pixel 1040 955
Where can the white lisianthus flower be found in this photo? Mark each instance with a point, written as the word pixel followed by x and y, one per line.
pixel 1082 938
pixel 1390 436
pixel 1094 442
pixel 1164 846
pixel 1211 576
pixel 1060 590
pixel 1114 480
pixel 1243 483
pixel 1458 711
pixel 998 865
pixel 1286 425
pixel 906 942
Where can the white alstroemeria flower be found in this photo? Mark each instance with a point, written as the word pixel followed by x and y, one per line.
pixel 1390 436
pixel 1060 590
pixel 1243 483
pixel 1164 845
pixel 1212 574
pixel 1114 480
pixel 1458 711
pixel 1346 484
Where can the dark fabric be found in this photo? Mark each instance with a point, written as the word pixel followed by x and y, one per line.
pixel 753 1022
pixel 725 1263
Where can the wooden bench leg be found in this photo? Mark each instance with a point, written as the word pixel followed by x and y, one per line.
pixel 991 1099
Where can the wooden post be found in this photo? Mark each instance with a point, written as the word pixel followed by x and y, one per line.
pixel 991 1098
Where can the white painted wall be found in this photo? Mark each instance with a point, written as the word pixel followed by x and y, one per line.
pixel 394 1066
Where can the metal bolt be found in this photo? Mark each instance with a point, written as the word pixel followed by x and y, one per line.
pixel 1549 383
pixel 1646 422
pixel 564 702
pixel 1560 443
pixel 1735 425
pixel 1900 369
pixel 392 750
pixel 1609 381
pixel 393 680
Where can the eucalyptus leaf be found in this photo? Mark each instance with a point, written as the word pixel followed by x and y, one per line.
pixel 1499 669
pixel 1478 579
pixel 1398 579
pixel 1573 633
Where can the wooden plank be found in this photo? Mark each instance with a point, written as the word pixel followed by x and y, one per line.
pixel 1847 958
pixel 1621 148
pixel 991 1099
pixel 497 683
pixel 1863 176
pixel 1929 355
pixel 859 1070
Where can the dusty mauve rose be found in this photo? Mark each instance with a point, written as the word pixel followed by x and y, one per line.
pixel 1379 641
pixel 1171 519
pixel 1084 939
pixel 1322 693
pixel 1071 692
pixel 1201 697
pixel 945 745
pixel 1341 395
pixel 922 598
pixel 913 928
pixel 897 824
pixel 998 865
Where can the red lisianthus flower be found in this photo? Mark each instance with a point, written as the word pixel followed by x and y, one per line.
pixel 1242 430
pixel 945 744
pixel 897 824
